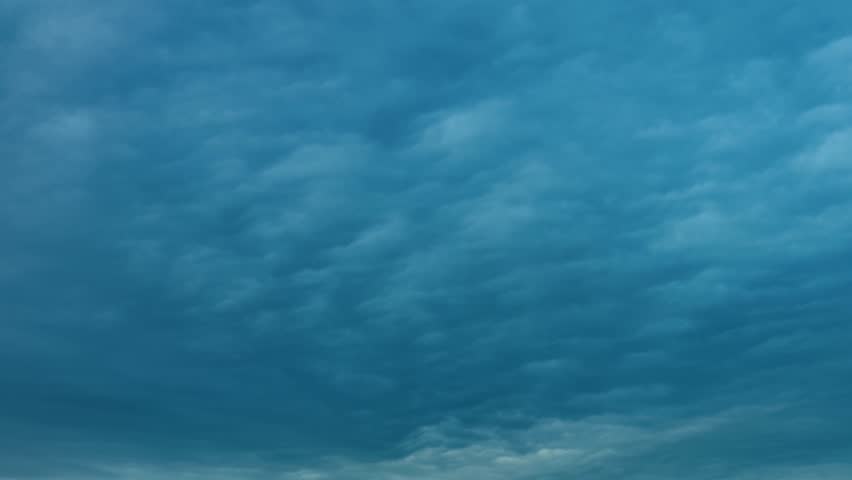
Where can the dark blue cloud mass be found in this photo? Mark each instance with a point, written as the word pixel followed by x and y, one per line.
pixel 409 240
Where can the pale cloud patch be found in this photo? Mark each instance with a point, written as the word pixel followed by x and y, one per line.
pixel 832 63
pixel 836 53
pixel 510 204
pixel 833 153
pixel 455 132
pixel 596 447
pixel 826 115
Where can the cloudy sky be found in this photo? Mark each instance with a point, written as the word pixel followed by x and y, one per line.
pixel 410 240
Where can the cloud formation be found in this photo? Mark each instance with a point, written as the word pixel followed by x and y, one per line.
pixel 400 240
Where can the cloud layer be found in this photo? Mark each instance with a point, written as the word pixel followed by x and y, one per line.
pixel 401 240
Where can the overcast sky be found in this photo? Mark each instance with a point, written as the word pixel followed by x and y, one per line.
pixel 411 240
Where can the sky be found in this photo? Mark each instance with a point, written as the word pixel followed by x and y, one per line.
pixel 410 240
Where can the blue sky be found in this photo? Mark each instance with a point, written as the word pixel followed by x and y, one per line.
pixel 409 240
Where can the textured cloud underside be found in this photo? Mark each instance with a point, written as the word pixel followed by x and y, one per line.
pixel 467 239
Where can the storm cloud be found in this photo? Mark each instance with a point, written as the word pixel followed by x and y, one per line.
pixel 397 239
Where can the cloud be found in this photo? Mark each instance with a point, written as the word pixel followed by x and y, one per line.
pixel 520 239
pixel 831 154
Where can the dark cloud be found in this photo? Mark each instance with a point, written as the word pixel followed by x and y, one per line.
pixel 516 239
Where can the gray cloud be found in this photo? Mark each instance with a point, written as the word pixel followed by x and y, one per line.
pixel 524 239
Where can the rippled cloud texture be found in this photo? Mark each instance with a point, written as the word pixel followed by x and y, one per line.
pixel 409 240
